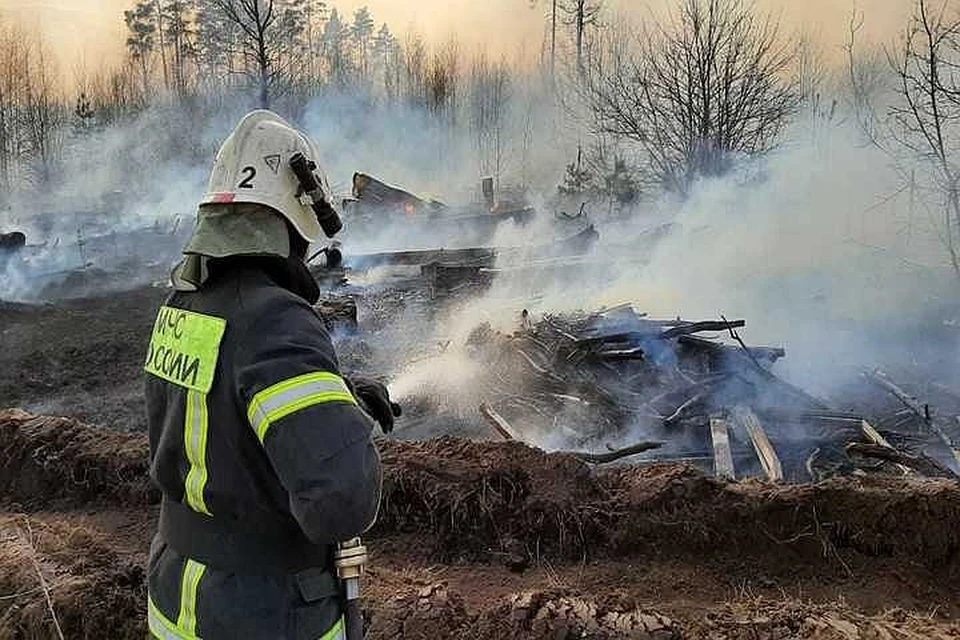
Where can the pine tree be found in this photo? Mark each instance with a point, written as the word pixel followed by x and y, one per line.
pixel 333 38
pixel 362 31
pixel 578 180
pixel 141 40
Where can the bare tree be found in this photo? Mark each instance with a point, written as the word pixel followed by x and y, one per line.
pixel 490 96
pixel 581 14
pixel 925 122
pixel 713 81
pixel 415 70
pixel 442 80
pixel 256 20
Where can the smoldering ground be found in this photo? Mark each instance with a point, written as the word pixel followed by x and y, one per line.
pixel 818 246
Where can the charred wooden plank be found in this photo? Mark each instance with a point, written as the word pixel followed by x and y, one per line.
pixel 922 410
pixel 618 454
pixel 875 438
pixel 770 354
pixel 480 257
pixel 787 415
pixel 722 454
pixel 682 410
pixel 698 327
pixel 923 465
pixel 761 442
pixel 621 355
pixel 909 401
pixel 499 423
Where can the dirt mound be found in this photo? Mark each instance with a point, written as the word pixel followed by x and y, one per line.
pixel 514 501
pixel 511 503
pixel 671 507
pixel 474 496
pixel 61 460
pixel 591 553
pixel 95 589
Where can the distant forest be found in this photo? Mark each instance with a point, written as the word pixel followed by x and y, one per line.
pixel 636 109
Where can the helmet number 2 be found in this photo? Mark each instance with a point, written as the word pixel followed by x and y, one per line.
pixel 247 182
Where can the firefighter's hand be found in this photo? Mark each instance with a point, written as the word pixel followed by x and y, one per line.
pixel 375 400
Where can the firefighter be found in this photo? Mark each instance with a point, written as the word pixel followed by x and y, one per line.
pixel 262 450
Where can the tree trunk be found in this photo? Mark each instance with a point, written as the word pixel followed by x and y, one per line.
pixel 553 42
pixel 581 7
pixel 163 45
pixel 264 63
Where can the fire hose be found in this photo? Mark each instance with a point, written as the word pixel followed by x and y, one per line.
pixel 350 560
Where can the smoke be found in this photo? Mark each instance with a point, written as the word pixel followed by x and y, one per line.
pixel 820 247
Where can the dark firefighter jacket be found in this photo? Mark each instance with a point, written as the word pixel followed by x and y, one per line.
pixel 264 459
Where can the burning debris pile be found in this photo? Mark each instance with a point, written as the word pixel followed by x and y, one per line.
pixel 589 381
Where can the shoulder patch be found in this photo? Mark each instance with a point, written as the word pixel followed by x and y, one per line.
pixel 184 348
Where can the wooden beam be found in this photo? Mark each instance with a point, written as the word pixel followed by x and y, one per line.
pixel 616 454
pixel 934 423
pixel 722 454
pixel 881 380
pixel 761 443
pixel 499 423
pixel 874 436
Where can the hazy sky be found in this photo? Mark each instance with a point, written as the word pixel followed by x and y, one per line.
pixel 83 30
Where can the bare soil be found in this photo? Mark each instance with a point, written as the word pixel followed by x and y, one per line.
pixel 498 540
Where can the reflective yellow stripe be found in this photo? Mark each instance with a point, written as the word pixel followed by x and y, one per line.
pixel 336 633
pixel 161 627
pixel 295 394
pixel 190 583
pixel 195 444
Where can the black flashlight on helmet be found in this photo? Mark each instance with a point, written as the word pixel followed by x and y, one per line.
pixel 327 216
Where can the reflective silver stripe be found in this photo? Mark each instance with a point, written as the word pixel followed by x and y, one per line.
pixel 290 396
pixel 195 444
pixel 161 627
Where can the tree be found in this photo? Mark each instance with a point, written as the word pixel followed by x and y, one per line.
pixel 578 180
pixel 386 51
pixel 256 21
pixel 141 39
pixel 177 18
pixel 362 31
pixel 490 94
pixel 925 122
pixel 442 79
pixel 415 70
pixel 712 82
pixel 581 14
pixel 334 45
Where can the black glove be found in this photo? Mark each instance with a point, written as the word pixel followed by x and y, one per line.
pixel 375 400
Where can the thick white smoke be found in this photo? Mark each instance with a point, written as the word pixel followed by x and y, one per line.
pixel 820 247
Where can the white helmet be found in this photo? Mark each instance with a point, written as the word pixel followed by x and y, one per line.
pixel 253 166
